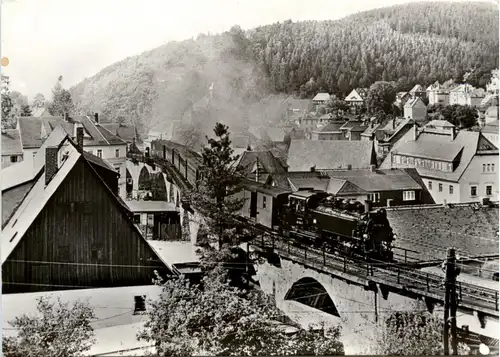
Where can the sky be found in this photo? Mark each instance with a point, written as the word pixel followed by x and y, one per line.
pixel 77 38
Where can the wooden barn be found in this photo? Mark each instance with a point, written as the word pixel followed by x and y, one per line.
pixel 67 228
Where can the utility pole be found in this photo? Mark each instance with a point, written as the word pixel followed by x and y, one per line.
pixel 450 303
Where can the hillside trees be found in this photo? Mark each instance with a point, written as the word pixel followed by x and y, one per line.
pixel 6 101
pixel 58 330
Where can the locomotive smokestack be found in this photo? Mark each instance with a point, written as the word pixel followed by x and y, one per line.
pixel 368 206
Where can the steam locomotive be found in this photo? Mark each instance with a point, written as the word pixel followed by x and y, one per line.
pixel 341 226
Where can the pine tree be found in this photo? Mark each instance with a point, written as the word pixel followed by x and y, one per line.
pixel 215 197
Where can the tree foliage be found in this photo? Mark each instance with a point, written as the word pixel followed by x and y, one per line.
pixel 6 101
pixel 26 111
pixel 381 96
pixel 61 100
pixel 408 44
pixel 216 319
pixel 58 330
pixel 461 116
pixel 215 196
pixel 39 101
pixel 414 333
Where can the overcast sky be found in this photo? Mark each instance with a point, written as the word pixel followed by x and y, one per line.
pixel 77 38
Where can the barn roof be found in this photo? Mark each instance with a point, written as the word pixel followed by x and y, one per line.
pixel 431 229
pixel 11 142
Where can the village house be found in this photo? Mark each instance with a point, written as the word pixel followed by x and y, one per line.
pixel 321 99
pixel 440 93
pixel 491 100
pixel 311 122
pixel 330 131
pixel 415 109
pixel 369 133
pixel 317 155
pixel 97 139
pixel 494 84
pixel 457 166
pixel 12 150
pixel 465 94
pixel 386 136
pixel 62 211
pixel 353 129
pixel 258 165
pixel 417 92
pixel 402 98
pixel 126 132
pixel 356 99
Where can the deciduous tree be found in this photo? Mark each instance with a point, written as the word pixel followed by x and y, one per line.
pixel 26 111
pixel 381 96
pixel 61 100
pixel 6 101
pixel 39 101
pixel 58 330
pixel 218 320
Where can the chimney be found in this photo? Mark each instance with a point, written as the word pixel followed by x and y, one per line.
pixel 389 202
pixel 96 117
pixel 349 167
pixel 50 163
pixel 453 133
pixel 394 123
pixel 79 139
pixel 147 152
pixel 372 168
pixel 66 117
pixel 313 168
pixel 368 206
pixel 415 132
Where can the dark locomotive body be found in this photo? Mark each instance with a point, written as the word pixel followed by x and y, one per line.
pixel 341 226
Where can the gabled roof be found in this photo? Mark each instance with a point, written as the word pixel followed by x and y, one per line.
pixel 440 124
pixel 11 142
pixel 355 125
pixel 30 130
pixel 265 159
pixel 12 198
pixel 380 180
pixel 309 180
pixel 413 102
pixel 357 94
pixel 37 197
pixel 490 99
pixel 392 128
pixel 39 112
pixel 417 88
pixel 126 132
pixel 438 145
pixel 322 97
pixel 432 229
pixel 332 127
pixel 329 154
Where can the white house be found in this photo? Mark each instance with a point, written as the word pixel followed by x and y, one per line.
pixel 97 140
pixel 357 97
pixel 415 109
pixel 457 166
pixel 465 94
pixel 321 98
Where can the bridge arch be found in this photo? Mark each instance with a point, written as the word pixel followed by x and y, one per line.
pixel 310 292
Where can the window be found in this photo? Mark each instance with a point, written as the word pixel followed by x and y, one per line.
pixel 492 167
pixel 13 159
pixel 484 167
pixel 430 185
pixel 117 153
pixel 488 190
pixel 34 153
pixel 264 201
pixel 63 253
pixel 374 197
pixel 99 153
pixel 487 167
pixel 473 191
pixel 409 196
pixel 403 159
pixel 451 189
pixel 440 189
pixel 96 254
pixel 411 161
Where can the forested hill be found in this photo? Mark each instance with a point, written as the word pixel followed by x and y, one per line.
pixel 412 43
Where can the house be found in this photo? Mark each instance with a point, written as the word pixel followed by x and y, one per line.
pixel 40 112
pixel 353 129
pixel 382 187
pixel 12 150
pixel 321 99
pixel 386 136
pixel 356 99
pixel 331 131
pixel 157 220
pixel 65 224
pixel 390 187
pixel 318 155
pixel 456 166
pixel 488 101
pixel 97 139
pixel 490 132
pixel 415 109
pixel 493 86
pixel 465 94
pixel 417 92
pixel 440 93
pixel 311 122
pixel 258 165
pixel 369 133
pixel 402 98
pixel 126 132
pixel 440 125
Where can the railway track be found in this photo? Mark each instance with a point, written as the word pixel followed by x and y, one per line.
pixel 395 274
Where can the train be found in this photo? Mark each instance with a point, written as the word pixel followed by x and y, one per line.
pixel 311 217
